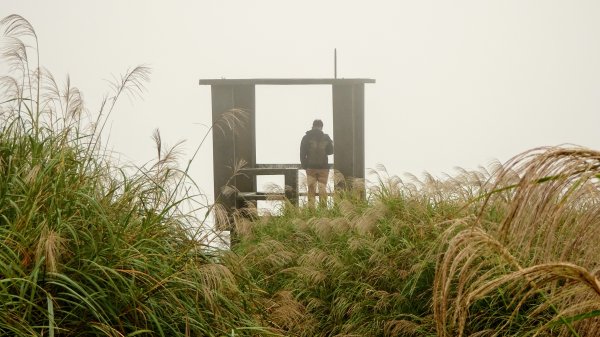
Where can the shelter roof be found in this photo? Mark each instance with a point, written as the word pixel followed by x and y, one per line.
pixel 285 81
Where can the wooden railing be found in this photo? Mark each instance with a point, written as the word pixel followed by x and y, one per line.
pixel 288 171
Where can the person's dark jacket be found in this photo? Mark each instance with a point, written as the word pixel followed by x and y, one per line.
pixel 314 149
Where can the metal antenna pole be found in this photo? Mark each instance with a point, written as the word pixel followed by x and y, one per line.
pixel 334 62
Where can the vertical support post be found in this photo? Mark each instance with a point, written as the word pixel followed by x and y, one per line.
pixel 223 144
pixel 232 142
pixel 334 62
pixel 291 185
pixel 348 131
pixel 358 115
pixel 245 137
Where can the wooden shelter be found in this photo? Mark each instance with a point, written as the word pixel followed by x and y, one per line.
pixel 238 143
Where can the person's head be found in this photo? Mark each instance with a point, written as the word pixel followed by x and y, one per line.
pixel 317 124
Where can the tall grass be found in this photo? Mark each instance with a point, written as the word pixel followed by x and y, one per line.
pixel 89 248
pixel 534 273
pixel 505 251
pixel 92 248
pixel 361 268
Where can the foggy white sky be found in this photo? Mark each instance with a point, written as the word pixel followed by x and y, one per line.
pixel 459 83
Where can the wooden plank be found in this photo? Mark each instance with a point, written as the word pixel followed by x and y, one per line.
pixel 285 81
pixel 283 166
pixel 358 108
pixel 245 134
pixel 343 131
pixel 268 170
pixel 348 130
pixel 223 145
pixel 255 196
pixel 232 144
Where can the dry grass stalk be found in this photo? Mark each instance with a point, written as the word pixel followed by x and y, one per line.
pixel 366 223
pixel 270 255
pixel 243 226
pixel 322 227
pixel 549 234
pixel 50 247
pixel 340 225
pixel 401 327
pixel 286 312
pixel 348 209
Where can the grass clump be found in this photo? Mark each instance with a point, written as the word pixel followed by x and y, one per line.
pixel 509 251
pixel 538 265
pixel 89 248
pixel 360 268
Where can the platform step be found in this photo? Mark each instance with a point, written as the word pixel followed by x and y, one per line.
pixel 261 196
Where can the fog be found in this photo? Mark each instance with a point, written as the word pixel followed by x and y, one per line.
pixel 459 84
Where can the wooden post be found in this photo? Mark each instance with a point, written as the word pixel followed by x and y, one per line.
pixel 349 131
pixel 232 142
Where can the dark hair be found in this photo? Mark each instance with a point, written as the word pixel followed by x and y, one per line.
pixel 317 123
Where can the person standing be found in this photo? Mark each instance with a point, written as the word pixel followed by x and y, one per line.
pixel 315 148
